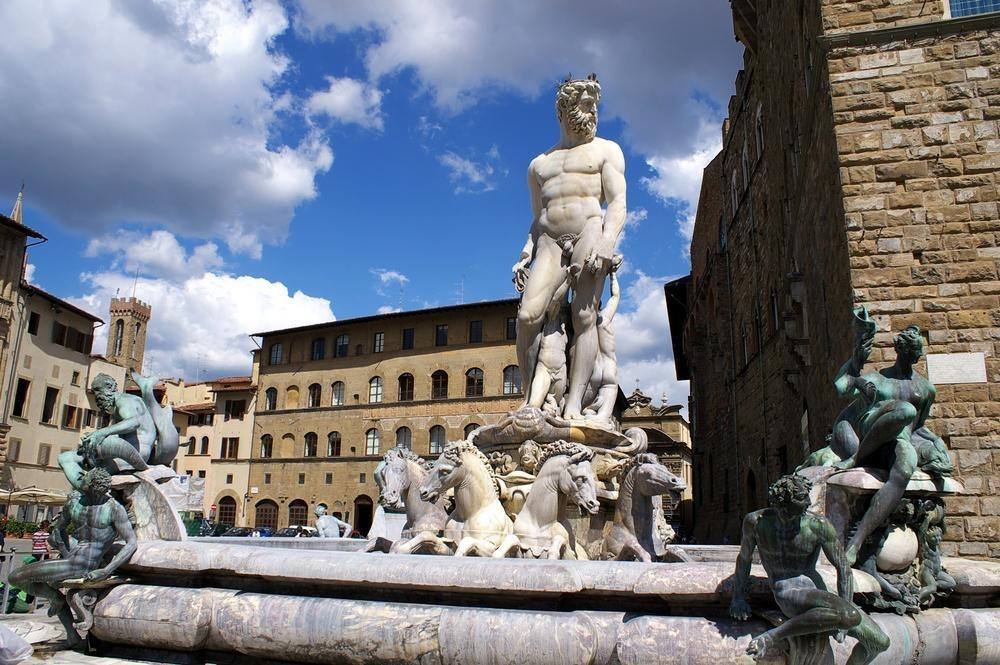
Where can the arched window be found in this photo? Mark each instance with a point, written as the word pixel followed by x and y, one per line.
pixel 343 344
pixel 227 511
pixel 191 446
pixel 372 440
pixel 135 340
pixel 266 514
pixel 470 428
pixel 338 394
pixel 119 336
pixel 204 445
pixel 315 395
pixel 275 355
pixel 363 514
pixel 333 444
pixel 437 440
pixel 375 390
pixel 298 513
pixel 404 438
pixel 270 399
pixel 512 380
pixel 474 382
pixel 266 446
pixel 309 450
pixel 405 387
pixel 292 397
pixel 318 349
pixel 439 384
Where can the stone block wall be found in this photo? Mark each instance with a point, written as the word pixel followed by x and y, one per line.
pixel 917 133
pixel 860 15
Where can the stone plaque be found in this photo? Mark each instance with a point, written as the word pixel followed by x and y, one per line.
pixel 945 368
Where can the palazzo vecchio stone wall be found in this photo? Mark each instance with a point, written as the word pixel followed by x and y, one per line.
pixel 858 167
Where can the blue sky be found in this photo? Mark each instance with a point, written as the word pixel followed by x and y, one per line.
pixel 271 164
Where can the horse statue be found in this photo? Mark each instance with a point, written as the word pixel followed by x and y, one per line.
pixel 631 534
pixel 541 529
pixel 483 521
pixel 400 475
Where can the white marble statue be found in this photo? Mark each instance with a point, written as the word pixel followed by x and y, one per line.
pixel 572 237
pixel 329 526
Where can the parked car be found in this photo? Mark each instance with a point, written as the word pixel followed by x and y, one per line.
pixel 208 528
pixel 297 532
pixel 238 532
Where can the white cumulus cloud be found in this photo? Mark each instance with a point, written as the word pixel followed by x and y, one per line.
pixel 202 322
pixel 348 100
pixel 642 336
pixel 157 112
pixel 156 254
pixel 473 176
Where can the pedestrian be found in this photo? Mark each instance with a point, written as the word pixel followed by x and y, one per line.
pixel 40 542
pixel 3 532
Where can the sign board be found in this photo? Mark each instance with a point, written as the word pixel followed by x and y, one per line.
pixel 944 368
pixel 255 490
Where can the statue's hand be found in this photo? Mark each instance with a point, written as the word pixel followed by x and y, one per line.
pixel 601 257
pixel 840 636
pixel 867 389
pixel 739 609
pixel 521 273
pixel 97 575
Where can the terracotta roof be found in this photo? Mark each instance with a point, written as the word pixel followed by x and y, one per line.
pixel 391 315
pixel 195 407
pixel 32 289
pixel 229 379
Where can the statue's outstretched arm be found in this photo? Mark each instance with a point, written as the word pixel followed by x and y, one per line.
pixel 60 534
pixel 124 530
pixel 739 608
pixel 928 403
pixel 613 185
pixel 609 311
pixel 835 553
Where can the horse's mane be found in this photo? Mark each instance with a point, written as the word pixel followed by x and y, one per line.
pixel 636 461
pixel 577 453
pixel 407 455
pixel 453 453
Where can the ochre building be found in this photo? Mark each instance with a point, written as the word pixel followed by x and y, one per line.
pixel 859 167
pixel 333 397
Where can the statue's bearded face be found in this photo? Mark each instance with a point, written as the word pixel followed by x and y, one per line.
pixel 576 107
pixel 105 398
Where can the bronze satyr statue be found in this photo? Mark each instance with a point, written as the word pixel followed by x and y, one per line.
pixel 790 539
pixel 99 520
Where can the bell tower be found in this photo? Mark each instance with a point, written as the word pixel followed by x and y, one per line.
pixel 127 334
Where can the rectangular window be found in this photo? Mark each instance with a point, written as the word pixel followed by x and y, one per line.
pixel 511 327
pixel 33 320
pixel 441 335
pixel 329 479
pixel 302 479
pixel 407 338
pixel 361 478
pixel 969 7
pixel 318 349
pixel 734 192
pixel 88 418
pixel 76 379
pixel 230 448
pixel 58 333
pixel 201 474
pixel 14 450
pixel 235 408
pixel 229 479
pixel 475 332
pixel 49 406
pixel 267 479
pixel 343 344
pixel 44 453
pixel 71 417
pixel 378 342
pixel 21 398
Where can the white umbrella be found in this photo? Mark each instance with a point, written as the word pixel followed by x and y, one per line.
pixel 35 496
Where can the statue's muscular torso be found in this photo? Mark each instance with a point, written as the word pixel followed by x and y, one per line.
pixel 793 553
pixel 570 186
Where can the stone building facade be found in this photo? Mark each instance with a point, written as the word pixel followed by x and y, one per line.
pixel 127 335
pixel 333 397
pixel 859 167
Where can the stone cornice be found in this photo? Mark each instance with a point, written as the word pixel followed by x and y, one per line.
pixel 915 31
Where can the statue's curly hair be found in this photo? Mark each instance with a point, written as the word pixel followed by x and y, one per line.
pixel 792 489
pixel 569 92
pixel 910 340
pixel 577 453
pixel 103 380
pixel 97 480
